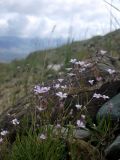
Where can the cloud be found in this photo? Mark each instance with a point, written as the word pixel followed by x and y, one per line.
pixel 33 18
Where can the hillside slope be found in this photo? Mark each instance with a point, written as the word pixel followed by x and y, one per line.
pixel 18 77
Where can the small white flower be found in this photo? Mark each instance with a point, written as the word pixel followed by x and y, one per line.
pixel 82 70
pixel 42 136
pixel 60 80
pixel 4 132
pixel 57 86
pixel 102 52
pixel 71 74
pixel 18 67
pixel 73 60
pixel 77 62
pixel 81 63
pixel 111 71
pixel 1 140
pixel 87 65
pixel 84 107
pixel 78 106
pixel 91 81
pixel 97 95
pixel 58 126
pixel 105 97
pixel 61 95
pixel 68 69
pixel 15 121
pixel 71 112
pixel 82 116
pixel 64 87
pixel 80 124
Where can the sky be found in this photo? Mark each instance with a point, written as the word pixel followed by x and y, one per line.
pixel 78 19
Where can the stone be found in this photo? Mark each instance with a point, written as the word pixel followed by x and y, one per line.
pixel 110 109
pixel 82 150
pixel 81 133
pixel 77 133
pixel 113 151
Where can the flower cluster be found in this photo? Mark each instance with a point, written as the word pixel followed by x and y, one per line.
pixel 100 96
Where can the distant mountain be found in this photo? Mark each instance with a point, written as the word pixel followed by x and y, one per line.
pixel 17 48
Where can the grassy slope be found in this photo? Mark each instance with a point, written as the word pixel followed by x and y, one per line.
pixel 17 77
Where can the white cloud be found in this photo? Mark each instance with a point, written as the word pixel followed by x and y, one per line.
pixel 38 17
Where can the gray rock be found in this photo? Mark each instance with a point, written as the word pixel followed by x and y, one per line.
pixel 81 133
pixel 111 108
pixel 113 151
pixel 77 133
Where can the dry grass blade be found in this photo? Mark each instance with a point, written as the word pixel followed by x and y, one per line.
pixel 112 6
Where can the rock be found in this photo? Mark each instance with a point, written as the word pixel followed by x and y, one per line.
pixel 113 151
pixel 77 133
pixel 82 150
pixel 81 133
pixel 105 82
pixel 111 108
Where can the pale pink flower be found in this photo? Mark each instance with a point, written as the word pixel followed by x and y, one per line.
pixel 38 89
pixel 80 123
pixel 98 78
